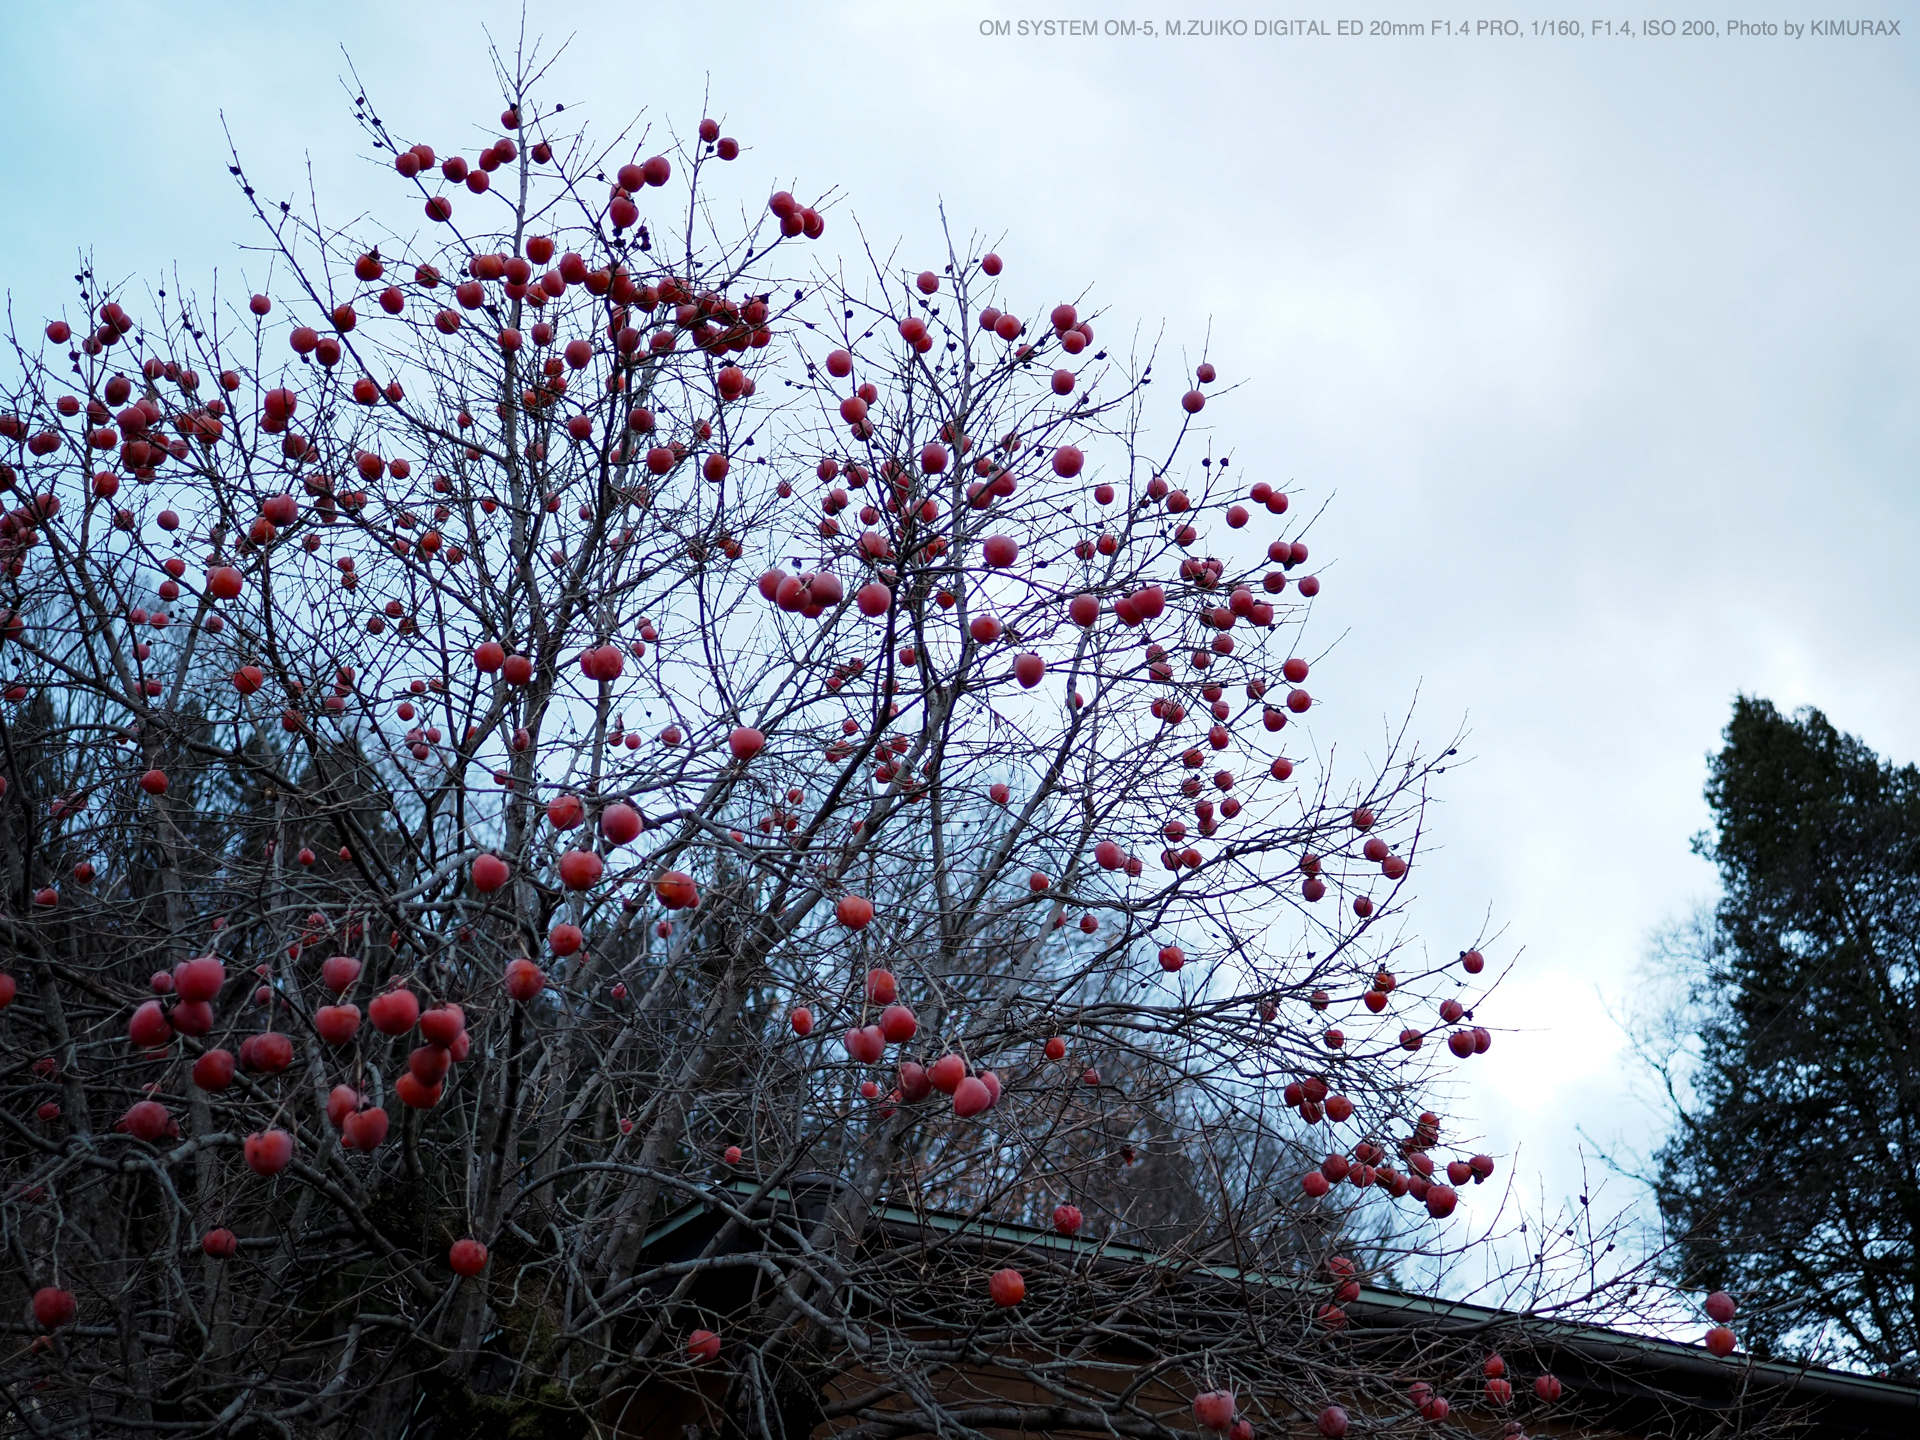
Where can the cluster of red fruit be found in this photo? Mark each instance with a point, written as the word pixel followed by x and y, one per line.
pixel 1720 1339
pixel 973 1093
pixel 810 594
pixel 196 983
pixel 1346 1289
pixel 416 160
pixel 136 429
pixel 1362 1166
pixel 1334 1422
pixel 1476 1040
pixel 1546 1387
pixel 1216 1411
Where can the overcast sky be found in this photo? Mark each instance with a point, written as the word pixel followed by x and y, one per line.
pixel 1604 348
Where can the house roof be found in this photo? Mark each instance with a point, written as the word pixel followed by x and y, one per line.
pixel 1636 1372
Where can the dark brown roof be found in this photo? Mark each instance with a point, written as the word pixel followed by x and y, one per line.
pixel 1641 1384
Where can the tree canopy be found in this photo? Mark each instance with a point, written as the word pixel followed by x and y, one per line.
pixel 1793 1178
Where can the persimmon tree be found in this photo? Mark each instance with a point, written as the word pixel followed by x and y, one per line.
pixel 577 701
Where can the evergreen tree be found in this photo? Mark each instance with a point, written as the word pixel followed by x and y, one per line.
pixel 1793 1178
